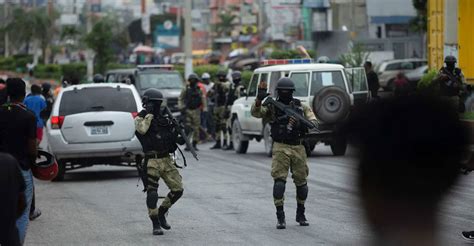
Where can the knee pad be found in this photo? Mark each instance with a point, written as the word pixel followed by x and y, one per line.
pixel 175 195
pixel 302 192
pixel 279 189
pixel 151 199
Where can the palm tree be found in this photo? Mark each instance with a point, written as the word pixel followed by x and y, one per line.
pixel 226 24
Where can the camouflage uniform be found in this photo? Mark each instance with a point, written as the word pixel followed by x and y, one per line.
pixel 193 107
pixel 236 95
pixel 286 157
pixel 219 92
pixel 162 166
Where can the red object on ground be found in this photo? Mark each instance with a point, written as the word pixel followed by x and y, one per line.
pixel 46 170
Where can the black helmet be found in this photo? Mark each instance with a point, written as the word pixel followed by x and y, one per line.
pixel 221 73
pixel 237 75
pixel 98 78
pixel 450 59
pixel 46 86
pixel 285 84
pixel 152 94
pixel 193 76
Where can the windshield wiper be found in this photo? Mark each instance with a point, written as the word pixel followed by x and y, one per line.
pixel 98 108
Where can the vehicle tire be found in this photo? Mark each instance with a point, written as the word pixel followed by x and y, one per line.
pixel 61 171
pixel 267 140
pixel 240 145
pixel 331 105
pixel 339 146
pixel 390 86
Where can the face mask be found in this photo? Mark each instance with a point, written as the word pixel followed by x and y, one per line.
pixel 285 96
pixel 193 83
pixel 450 66
pixel 236 81
pixel 222 79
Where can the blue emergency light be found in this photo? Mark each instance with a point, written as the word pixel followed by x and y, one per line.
pixel 286 61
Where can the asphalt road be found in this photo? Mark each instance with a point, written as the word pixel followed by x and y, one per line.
pixel 227 201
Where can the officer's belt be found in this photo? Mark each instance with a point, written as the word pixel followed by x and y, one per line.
pixel 156 156
pixel 290 142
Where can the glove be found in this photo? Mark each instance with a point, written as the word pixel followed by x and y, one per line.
pixel 142 114
pixel 262 94
pixel 292 122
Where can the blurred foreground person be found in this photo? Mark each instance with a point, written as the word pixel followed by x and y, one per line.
pixel 409 154
pixel 18 138
pixel 12 187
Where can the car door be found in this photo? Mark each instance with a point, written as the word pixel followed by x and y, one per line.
pixel 246 118
pixel 359 88
pixel 302 84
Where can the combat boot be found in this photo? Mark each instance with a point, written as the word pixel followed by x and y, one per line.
pixel 195 145
pixel 162 218
pixel 300 218
pixel 224 146
pixel 217 145
pixel 281 224
pixel 230 147
pixel 156 226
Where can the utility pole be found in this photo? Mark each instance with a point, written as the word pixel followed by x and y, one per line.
pixel 89 53
pixel 6 14
pixel 188 32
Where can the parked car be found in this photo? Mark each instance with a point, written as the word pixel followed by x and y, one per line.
pixel 388 70
pixel 161 77
pixel 415 76
pixel 329 89
pixel 94 124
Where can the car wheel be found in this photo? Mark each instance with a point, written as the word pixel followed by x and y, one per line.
pixel 339 146
pixel 331 104
pixel 240 145
pixel 267 139
pixel 61 171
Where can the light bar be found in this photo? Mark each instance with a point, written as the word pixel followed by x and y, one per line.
pixel 164 67
pixel 286 61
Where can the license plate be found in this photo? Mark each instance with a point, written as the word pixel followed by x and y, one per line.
pixel 99 130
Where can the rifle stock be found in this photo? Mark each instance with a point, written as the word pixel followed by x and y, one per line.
pixel 181 131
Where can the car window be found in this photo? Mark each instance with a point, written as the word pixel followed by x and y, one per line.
pixel 323 79
pixel 393 66
pixel 274 77
pixel 357 79
pixel 252 91
pixel 301 81
pixel 408 66
pixel 97 99
pixel 111 78
pixel 160 81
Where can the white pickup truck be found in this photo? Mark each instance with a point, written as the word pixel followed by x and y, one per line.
pixel 329 89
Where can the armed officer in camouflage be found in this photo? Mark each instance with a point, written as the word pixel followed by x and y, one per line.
pixel 191 101
pixel 219 93
pixel 451 82
pixel 236 90
pixel 288 151
pixel 158 137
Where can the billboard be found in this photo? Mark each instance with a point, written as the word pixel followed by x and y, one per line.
pixel 166 35
pixel 285 18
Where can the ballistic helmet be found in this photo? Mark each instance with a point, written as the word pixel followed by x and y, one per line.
pixel 99 78
pixel 206 76
pixel 152 94
pixel 450 59
pixel 285 84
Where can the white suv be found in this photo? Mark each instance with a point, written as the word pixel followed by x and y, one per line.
pixel 94 124
pixel 329 89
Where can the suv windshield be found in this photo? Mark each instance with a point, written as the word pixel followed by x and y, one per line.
pixel 97 99
pixel 160 81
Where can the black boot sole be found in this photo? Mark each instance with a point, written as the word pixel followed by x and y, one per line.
pixel 158 232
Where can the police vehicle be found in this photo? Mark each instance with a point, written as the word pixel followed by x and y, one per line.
pixel 329 89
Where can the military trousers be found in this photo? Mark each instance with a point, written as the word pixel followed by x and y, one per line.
pixel 291 158
pixel 220 122
pixel 165 169
pixel 193 121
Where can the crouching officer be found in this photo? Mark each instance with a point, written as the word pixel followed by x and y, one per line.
pixel 191 100
pixel 158 137
pixel 288 150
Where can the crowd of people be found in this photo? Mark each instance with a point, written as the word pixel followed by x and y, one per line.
pixel 402 176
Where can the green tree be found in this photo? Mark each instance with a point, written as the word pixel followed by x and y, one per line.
pixel 356 57
pixel 99 40
pixel 420 22
pixel 226 23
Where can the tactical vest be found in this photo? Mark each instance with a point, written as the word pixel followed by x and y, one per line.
pixel 233 94
pixel 453 86
pixel 221 95
pixel 161 136
pixel 279 124
pixel 193 98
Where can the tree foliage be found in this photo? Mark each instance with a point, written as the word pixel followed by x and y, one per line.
pixel 420 22
pixel 356 57
pixel 226 23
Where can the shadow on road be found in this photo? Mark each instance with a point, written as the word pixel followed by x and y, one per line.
pixel 99 175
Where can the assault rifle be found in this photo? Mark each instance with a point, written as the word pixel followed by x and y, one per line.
pixel 181 131
pixel 289 112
